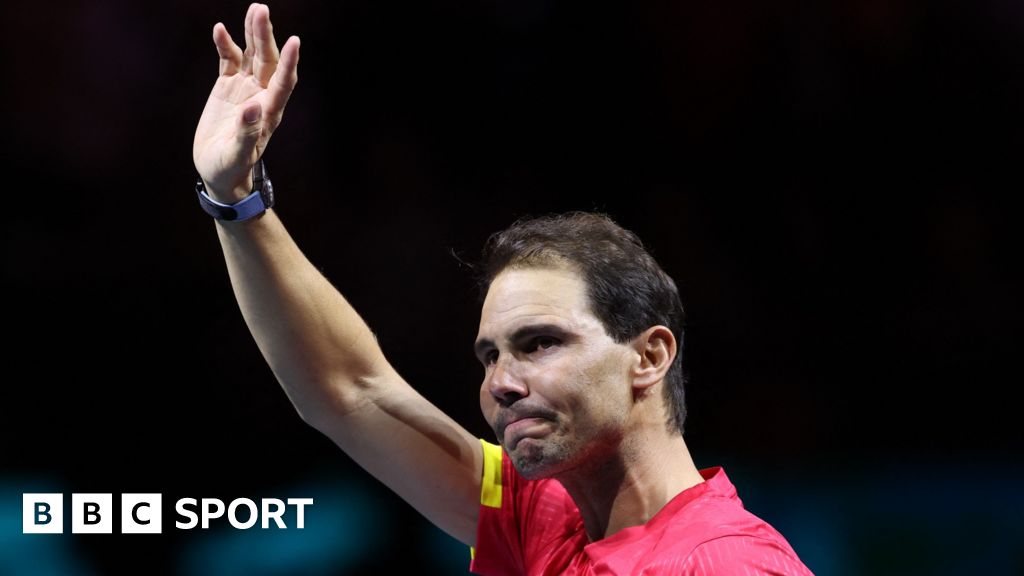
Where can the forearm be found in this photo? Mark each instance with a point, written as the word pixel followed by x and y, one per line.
pixel 321 351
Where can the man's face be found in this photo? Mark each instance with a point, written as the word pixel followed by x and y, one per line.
pixel 556 387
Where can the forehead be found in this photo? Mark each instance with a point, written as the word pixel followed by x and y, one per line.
pixel 520 296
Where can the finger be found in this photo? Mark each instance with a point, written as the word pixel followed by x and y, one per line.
pixel 229 52
pixel 250 46
pixel 282 83
pixel 265 61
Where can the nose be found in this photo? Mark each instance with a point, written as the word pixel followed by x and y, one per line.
pixel 504 382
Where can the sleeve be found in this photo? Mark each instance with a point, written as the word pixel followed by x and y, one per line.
pixel 498 550
pixel 748 555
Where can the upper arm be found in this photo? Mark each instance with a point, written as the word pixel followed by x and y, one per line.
pixel 407 443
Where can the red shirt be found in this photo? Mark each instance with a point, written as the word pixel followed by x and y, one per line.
pixel 534 528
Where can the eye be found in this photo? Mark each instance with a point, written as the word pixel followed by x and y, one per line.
pixel 543 343
pixel 490 357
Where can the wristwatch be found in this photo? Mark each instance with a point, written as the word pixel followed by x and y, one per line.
pixel 256 203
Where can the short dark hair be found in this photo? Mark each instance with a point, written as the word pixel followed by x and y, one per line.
pixel 627 289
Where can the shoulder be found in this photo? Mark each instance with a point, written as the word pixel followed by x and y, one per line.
pixel 710 532
pixel 524 526
pixel 742 554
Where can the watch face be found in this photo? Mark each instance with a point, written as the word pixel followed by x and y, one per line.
pixel 267 193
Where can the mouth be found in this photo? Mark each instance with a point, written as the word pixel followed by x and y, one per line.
pixel 514 429
pixel 522 429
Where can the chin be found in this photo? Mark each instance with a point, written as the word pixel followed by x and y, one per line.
pixel 537 460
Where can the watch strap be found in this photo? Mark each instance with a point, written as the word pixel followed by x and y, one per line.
pixel 256 203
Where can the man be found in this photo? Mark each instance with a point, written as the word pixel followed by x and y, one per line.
pixel 579 336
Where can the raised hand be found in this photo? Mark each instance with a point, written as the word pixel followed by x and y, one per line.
pixel 245 105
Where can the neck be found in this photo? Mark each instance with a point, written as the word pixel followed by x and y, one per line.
pixel 632 485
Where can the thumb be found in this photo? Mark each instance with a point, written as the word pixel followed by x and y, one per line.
pixel 249 128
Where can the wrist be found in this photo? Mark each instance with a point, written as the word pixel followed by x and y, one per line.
pixel 238 203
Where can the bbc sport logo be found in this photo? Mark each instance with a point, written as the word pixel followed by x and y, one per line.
pixel 142 513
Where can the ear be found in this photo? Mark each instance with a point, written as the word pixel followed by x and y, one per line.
pixel 656 348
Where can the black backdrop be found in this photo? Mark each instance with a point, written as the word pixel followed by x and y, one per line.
pixel 834 185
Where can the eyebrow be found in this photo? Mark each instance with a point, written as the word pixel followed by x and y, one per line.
pixel 484 344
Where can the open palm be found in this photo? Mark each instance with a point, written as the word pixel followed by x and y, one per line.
pixel 245 105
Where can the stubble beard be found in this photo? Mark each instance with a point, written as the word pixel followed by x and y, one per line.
pixel 537 459
pixel 561 457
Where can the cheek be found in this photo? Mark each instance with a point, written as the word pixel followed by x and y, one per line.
pixel 487 404
pixel 608 380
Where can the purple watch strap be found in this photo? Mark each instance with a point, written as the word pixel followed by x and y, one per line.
pixel 254 204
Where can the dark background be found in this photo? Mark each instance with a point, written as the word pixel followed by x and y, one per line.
pixel 834 186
